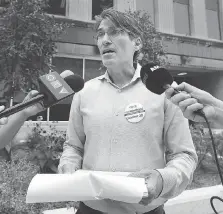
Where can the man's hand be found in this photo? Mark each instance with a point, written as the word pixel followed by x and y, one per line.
pixel 67 169
pixel 3 120
pixel 34 109
pixel 154 183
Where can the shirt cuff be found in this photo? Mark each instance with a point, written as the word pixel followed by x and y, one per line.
pixel 169 180
pixel 71 167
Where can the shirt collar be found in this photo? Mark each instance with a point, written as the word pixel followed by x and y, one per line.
pixel 135 77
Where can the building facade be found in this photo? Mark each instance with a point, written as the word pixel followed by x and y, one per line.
pixel 192 34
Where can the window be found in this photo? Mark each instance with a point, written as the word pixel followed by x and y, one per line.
pixel 60 112
pixel 86 68
pixel 63 63
pixel 99 5
pixel 4 3
pixel 212 14
pixel 93 69
pixel 57 7
pixel 181 16
pixel 148 6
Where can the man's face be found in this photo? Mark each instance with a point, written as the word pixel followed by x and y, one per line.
pixel 115 46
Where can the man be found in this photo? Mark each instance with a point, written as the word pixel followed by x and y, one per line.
pixel 117 125
pixel 195 99
pixel 12 124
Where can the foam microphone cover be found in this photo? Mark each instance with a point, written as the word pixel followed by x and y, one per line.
pixel 75 81
pixel 155 78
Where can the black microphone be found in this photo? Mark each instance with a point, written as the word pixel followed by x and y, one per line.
pixel 53 89
pixel 157 79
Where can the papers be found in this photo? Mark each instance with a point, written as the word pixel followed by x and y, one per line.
pixel 60 211
pixel 85 185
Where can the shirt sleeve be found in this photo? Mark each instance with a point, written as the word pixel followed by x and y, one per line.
pixel 75 137
pixel 180 153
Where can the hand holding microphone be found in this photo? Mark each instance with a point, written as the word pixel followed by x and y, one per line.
pixel 27 112
pixel 195 104
pixel 34 109
pixel 3 120
pixel 53 89
pixel 191 99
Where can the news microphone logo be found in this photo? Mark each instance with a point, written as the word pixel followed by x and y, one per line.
pixel 154 68
pixel 50 77
pixel 56 85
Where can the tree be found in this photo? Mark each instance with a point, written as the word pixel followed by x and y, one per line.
pixel 27 41
pixel 153 50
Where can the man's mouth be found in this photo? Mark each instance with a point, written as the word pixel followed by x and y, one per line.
pixel 108 52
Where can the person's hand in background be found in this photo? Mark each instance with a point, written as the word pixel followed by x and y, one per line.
pixel 14 122
pixel 34 109
pixel 3 120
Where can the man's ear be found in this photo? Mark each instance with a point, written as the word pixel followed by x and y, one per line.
pixel 138 43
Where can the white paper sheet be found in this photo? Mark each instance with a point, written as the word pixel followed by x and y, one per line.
pixel 85 185
pixel 60 211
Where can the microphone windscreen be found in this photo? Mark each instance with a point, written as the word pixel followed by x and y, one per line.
pixel 66 73
pixel 75 81
pixel 155 78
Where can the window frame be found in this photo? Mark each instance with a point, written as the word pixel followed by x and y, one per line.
pixel 218 17
pixel 84 58
pixel 189 16
pixel 61 16
pixel 113 1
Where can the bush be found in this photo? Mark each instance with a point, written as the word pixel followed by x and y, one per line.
pixel 15 178
pixel 43 148
pixel 204 148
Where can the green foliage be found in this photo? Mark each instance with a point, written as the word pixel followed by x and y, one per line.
pixel 43 147
pixel 153 50
pixel 15 178
pixel 27 41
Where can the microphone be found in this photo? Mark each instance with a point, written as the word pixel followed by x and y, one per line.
pixel 158 79
pixel 53 89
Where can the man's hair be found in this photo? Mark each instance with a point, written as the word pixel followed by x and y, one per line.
pixel 121 20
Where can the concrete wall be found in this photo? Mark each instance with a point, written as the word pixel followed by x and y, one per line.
pixel 196 201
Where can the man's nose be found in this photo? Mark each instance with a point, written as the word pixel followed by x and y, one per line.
pixel 106 40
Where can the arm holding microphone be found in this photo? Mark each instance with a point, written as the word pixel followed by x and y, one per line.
pixel 53 89
pixel 13 123
pixel 190 99
pixel 3 120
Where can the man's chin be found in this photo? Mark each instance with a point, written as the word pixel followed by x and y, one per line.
pixel 109 63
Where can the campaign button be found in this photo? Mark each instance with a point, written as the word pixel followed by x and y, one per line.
pixel 134 112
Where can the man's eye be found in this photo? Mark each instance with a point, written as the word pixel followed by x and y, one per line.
pixel 100 34
pixel 115 32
